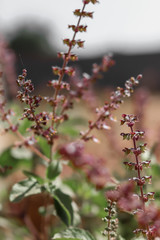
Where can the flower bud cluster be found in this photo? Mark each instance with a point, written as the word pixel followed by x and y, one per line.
pixel 111 221
pixel 134 166
pixel 138 166
pixel 139 150
pixel 66 70
pixel 72 57
pixel 55 84
pixel 80 28
pixel 139 180
pixel 79 13
pixel 40 120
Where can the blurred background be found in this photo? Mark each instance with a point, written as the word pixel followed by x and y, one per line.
pixel 127 29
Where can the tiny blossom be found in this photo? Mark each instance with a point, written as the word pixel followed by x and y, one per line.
pixel 80 28
pixel 70 71
pixel 73 57
pixel 49 134
pixel 56 70
pixel 79 13
pixel 69 42
pixel 80 43
pixel 66 56
pixel 146 164
pixel 55 84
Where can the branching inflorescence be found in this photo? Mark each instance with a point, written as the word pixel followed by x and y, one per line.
pixel 105 112
pixel 46 123
pixel 59 84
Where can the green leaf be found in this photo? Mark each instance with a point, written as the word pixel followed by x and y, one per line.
pixel 23 189
pixel 63 206
pixel 35 176
pixel 92 199
pixel 73 234
pixel 45 147
pixel 54 169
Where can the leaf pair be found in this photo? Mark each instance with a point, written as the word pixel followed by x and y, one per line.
pixel 34 185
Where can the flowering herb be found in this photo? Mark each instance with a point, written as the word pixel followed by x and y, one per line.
pixel 44 140
pixel 148 229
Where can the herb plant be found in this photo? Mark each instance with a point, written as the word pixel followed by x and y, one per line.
pixel 46 148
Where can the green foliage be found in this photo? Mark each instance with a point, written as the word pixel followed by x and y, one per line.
pixel 23 189
pixel 34 185
pixel 54 169
pixel 34 176
pixel 92 201
pixel 73 234
pixel 63 206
